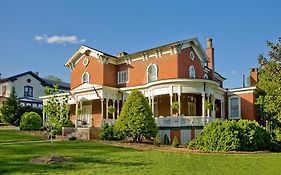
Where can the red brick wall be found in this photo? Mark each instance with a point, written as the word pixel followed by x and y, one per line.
pixel 185 62
pixel 94 68
pixel 167 69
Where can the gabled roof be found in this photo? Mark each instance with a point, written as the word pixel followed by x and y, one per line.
pixel 44 82
pixel 15 77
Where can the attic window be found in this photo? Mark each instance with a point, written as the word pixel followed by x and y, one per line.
pixel 191 55
pixel 86 62
pixel 28 80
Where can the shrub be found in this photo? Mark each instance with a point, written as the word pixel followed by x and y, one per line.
pixel 107 132
pixel 175 142
pixel 157 140
pixel 166 140
pixel 24 109
pixel 136 118
pixel 67 123
pixel 30 121
pixel 243 135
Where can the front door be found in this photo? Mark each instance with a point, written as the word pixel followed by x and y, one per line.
pixel 191 108
pixel 86 116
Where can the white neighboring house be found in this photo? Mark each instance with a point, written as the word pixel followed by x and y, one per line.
pixel 29 87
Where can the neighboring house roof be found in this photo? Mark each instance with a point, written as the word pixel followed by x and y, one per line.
pixel 62 85
pixel 29 99
pixel 44 81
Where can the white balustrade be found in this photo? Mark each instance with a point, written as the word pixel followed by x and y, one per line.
pixel 171 121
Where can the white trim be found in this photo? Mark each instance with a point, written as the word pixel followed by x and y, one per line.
pixel 242 89
pixel 147 73
pixel 239 107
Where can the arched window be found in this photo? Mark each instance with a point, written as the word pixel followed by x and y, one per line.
pixel 191 55
pixel 206 77
pixel 85 77
pixel 191 72
pixel 152 73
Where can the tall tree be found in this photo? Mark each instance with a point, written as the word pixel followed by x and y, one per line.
pixel 269 84
pixel 10 110
pixel 136 118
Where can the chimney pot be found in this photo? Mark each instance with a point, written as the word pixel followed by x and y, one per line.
pixel 209 43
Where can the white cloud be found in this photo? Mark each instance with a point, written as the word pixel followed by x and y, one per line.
pixel 234 72
pixel 55 39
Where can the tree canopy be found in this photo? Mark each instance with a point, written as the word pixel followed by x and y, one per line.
pixel 269 84
pixel 136 118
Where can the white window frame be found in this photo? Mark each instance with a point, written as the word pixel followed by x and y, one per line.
pixel 191 68
pixel 206 76
pixel 121 77
pixel 147 73
pixel 191 55
pixel 239 107
pixel 88 78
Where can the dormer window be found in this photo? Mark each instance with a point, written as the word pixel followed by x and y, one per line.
pixel 151 73
pixel 191 72
pixel 85 77
pixel 191 55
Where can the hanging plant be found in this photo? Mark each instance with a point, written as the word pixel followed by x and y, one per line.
pixel 111 109
pixel 175 106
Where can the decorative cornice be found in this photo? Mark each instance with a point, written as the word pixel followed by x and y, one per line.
pixel 103 59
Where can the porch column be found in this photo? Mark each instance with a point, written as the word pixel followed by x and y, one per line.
pixel 107 109
pixel 44 117
pixel 203 105
pixel 208 111
pixel 221 109
pixel 214 105
pixel 101 108
pixel 171 101
pixel 76 114
pixel 114 114
pixel 152 105
pixel 179 101
pixel 149 101
pixel 118 104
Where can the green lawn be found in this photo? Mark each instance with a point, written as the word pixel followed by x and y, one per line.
pixel 16 136
pixel 97 158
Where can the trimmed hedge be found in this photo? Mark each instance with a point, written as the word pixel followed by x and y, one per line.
pixel 30 121
pixel 243 135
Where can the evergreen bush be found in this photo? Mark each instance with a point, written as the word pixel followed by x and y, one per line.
pixel 107 132
pixel 243 135
pixel 136 119
pixel 30 121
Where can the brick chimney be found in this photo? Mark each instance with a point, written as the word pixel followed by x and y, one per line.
pixel 210 54
pixel 253 76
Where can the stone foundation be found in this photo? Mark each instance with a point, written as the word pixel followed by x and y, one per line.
pixel 81 133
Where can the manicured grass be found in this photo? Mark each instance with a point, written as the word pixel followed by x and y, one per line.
pixel 16 136
pixel 97 158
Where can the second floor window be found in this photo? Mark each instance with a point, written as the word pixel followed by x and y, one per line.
pixel 122 77
pixel 28 91
pixel 85 77
pixel 191 72
pixel 152 73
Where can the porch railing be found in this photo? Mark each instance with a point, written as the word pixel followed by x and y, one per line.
pixel 171 121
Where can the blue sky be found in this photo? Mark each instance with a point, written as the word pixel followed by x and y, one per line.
pixel 42 35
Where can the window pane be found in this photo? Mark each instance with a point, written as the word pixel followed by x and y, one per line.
pixel 234 107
